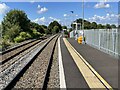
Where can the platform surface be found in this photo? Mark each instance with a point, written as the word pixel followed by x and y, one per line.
pixel 104 64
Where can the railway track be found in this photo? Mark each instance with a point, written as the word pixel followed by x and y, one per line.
pixel 11 71
pixel 12 52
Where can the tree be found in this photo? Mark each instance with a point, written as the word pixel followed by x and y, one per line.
pixel 70 29
pixel 73 26
pixel 14 22
pixel 64 27
pixel 93 25
pixel 87 25
pixel 12 33
pixel 55 30
pixel 44 26
pixel 79 20
pixel 100 26
pixel 119 26
pixel 36 26
pixel 113 26
pixel 15 17
pixel 108 26
pixel 52 24
pixel 0 30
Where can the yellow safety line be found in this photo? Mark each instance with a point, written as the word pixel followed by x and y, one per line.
pixel 88 72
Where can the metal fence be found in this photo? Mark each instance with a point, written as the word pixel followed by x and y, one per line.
pixel 104 40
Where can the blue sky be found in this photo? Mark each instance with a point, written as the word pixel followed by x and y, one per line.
pixel 45 12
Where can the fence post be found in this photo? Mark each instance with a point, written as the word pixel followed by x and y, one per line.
pixel 99 37
pixel 113 37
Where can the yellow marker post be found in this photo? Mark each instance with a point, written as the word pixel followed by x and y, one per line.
pixel 80 39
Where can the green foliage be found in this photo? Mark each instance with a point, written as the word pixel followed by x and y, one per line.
pixel 52 24
pixel 113 26
pixel 19 39
pixel 73 26
pixel 45 27
pixel 12 32
pixel 70 29
pixel 108 26
pixel 64 27
pixel 47 31
pixel 16 27
pixel 55 30
pixel 118 26
pixel 66 32
pixel 25 35
pixel 87 25
pixel 100 26
pixel 93 25
pixel 16 17
pixel 14 22
pixel 0 30
pixel 36 34
pixel 39 28
pixel 4 44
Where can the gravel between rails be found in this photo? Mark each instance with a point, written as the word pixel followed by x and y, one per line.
pixel 35 74
pixel 54 81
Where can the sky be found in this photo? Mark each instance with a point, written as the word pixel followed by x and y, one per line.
pixel 46 12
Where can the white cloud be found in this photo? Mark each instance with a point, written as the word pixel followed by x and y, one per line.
pixel 107 19
pixel 32 1
pixel 76 15
pixel 3 8
pixel 102 5
pixel 41 20
pixel 45 21
pixel 41 10
pixel 65 15
pixel 54 19
pixel 38 6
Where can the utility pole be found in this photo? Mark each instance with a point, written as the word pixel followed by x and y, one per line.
pixel 83 20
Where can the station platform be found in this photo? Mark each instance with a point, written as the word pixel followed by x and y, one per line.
pixel 105 65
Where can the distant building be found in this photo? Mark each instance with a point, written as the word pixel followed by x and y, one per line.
pixel 77 31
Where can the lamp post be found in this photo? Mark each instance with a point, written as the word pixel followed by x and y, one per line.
pixel 72 21
pixel 83 20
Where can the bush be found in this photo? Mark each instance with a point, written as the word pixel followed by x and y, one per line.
pixel 5 44
pixel 28 36
pixel 66 32
pixel 47 31
pixel 19 39
pixel 55 30
pixel 36 34
pixel 25 35
pixel 12 32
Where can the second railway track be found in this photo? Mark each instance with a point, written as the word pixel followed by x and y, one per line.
pixel 13 71
pixel 7 55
